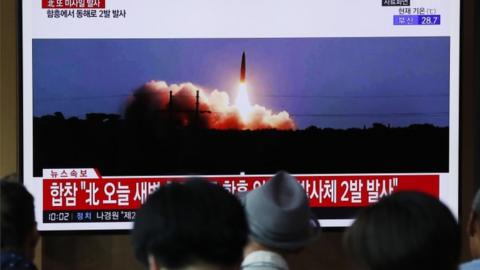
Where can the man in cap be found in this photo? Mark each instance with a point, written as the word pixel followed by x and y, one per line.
pixel 280 223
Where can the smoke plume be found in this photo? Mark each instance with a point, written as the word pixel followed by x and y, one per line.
pixel 151 103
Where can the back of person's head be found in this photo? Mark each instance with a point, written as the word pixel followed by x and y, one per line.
pixel 476 205
pixel 18 226
pixel 474 227
pixel 194 222
pixel 407 230
pixel 279 215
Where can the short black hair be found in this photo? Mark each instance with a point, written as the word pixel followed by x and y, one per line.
pixel 476 206
pixel 17 214
pixel 180 224
pixel 407 230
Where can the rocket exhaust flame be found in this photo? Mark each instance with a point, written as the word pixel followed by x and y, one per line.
pixel 243 102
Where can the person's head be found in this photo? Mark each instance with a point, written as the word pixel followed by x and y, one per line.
pixel 18 226
pixel 474 227
pixel 279 215
pixel 407 230
pixel 193 223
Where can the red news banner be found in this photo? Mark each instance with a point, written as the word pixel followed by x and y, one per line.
pixel 85 189
pixel 66 4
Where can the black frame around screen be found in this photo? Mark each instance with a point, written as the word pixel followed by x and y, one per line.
pixel 462 56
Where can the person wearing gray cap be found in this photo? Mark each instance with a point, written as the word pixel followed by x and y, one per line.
pixel 280 223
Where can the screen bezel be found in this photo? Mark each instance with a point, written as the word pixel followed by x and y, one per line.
pixel 20 128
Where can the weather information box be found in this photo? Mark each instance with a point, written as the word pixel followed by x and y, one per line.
pixel 416 19
pixel 122 97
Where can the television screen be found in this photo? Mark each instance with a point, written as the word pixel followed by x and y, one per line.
pixel 357 99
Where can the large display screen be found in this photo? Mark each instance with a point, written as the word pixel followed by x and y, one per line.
pixel 357 99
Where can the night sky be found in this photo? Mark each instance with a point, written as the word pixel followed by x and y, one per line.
pixel 326 82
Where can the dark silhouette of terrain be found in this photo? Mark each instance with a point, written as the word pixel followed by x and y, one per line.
pixel 118 146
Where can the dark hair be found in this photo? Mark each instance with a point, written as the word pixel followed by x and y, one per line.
pixel 196 221
pixel 476 206
pixel 17 214
pixel 407 230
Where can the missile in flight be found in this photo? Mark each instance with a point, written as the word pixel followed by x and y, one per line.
pixel 243 69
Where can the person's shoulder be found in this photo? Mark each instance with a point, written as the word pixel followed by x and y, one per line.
pixel 471 265
pixel 263 260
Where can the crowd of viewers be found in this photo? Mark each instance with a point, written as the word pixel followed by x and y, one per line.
pixel 200 225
